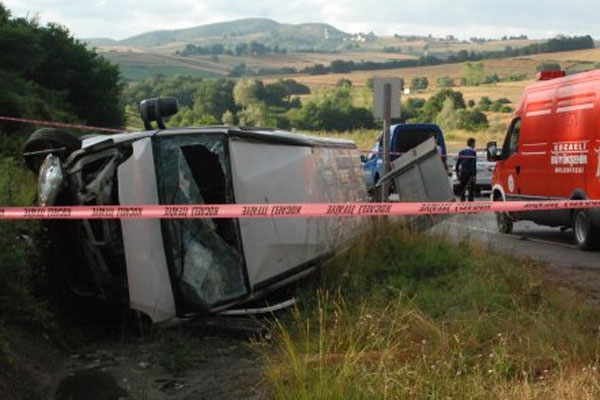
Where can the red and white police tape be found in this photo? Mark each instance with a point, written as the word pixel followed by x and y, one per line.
pixel 62 125
pixel 307 210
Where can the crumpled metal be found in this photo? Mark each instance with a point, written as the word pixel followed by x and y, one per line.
pixel 49 180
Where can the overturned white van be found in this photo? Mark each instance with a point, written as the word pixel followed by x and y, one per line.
pixel 177 268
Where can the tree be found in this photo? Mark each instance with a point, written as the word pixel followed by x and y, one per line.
pixel 4 14
pixel 548 66
pixel 445 82
pixel 485 103
pixel 344 82
pixel 247 92
pixel 473 120
pixel 255 114
pixel 473 74
pixel 332 110
pixel 341 66
pixel 436 102
pixel 47 62
pixel 448 118
pixel 241 49
pixel 214 97
pixel 419 83
pixel 228 118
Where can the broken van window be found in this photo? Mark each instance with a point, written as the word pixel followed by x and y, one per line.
pixel 411 138
pixel 206 265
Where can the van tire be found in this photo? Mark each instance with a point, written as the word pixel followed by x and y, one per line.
pixel 505 223
pixel 586 235
pixel 503 219
pixel 47 139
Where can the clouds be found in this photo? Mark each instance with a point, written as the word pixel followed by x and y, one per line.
pixel 463 18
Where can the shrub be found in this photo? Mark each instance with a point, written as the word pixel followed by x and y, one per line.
pixel 473 120
pixel 548 66
pixel 445 82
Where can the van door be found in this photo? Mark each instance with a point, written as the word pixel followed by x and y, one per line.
pixel 510 167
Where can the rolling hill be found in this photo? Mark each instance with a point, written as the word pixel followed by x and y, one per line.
pixel 266 31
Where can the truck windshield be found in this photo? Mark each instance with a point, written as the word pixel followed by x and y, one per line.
pixel 205 260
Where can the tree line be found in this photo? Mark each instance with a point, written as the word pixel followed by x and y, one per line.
pixel 251 102
pixel 252 49
pixel 343 66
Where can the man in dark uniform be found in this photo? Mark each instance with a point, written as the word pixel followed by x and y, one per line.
pixel 466 170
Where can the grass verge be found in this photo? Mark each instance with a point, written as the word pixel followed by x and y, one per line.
pixel 406 316
pixel 20 266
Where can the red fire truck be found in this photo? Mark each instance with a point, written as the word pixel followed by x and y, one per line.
pixel 551 151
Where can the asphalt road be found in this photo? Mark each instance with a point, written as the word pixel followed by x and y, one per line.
pixel 552 247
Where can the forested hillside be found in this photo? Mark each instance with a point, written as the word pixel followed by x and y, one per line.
pixel 47 74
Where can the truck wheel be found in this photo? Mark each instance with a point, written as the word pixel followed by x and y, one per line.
pixel 48 139
pixel 504 220
pixel 586 235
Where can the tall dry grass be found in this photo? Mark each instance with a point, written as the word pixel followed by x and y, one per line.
pixel 402 316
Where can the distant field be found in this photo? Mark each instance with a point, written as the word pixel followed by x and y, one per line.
pixel 164 55
pixel 136 64
pixel 574 61
pixel 139 72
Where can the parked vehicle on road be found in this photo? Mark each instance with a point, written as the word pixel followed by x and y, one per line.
pixel 551 151
pixel 485 173
pixel 403 137
pixel 178 268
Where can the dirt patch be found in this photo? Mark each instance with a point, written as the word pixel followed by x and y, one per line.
pixel 180 364
pixel 28 363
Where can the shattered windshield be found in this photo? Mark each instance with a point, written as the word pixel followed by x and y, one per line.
pixel 206 265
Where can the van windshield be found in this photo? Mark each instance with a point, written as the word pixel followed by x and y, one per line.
pixel 205 260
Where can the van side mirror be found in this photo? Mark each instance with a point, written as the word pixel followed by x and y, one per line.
pixel 363 158
pixel 492 151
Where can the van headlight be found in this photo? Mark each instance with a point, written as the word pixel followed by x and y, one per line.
pixel 49 180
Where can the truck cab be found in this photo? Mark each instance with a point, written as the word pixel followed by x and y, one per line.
pixel 550 152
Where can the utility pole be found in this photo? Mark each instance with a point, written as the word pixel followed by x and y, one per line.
pixel 387 119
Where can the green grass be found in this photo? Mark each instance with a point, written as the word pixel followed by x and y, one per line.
pixel 402 316
pixel 20 266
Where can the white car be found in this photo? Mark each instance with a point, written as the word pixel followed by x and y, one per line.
pixel 485 172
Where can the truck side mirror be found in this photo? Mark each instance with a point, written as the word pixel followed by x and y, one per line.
pixel 492 151
pixel 363 158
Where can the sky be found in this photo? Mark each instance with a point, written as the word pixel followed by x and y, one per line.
pixel 118 19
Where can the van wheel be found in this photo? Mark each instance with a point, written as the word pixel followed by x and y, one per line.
pixel 504 220
pixel 586 235
pixel 505 223
pixel 48 139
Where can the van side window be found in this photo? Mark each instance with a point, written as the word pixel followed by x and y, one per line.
pixel 511 146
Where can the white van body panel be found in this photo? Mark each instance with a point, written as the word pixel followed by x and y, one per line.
pixel 148 279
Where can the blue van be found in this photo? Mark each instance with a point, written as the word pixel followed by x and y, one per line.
pixel 403 138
